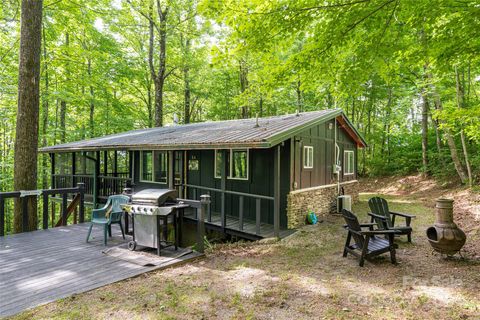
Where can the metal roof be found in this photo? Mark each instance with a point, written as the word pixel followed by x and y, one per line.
pixel 217 134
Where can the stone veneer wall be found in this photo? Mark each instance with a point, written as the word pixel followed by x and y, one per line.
pixel 321 200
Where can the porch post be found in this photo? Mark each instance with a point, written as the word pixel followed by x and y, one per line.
pixel 52 172
pixel 105 163
pixel 115 163
pixel 276 192
pixel 95 179
pixel 223 186
pixel 171 170
pixel 74 182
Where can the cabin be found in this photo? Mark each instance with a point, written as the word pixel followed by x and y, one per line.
pixel 263 175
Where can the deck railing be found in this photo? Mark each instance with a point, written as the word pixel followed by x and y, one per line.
pixel 107 185
pixel 241 205
pixel 78 202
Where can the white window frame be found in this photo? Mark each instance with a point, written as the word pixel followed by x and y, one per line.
pixel 307 162
pixel 229 174
pixel 346 170
pixel 140 178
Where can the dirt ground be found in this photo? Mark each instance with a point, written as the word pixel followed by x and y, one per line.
pixel 305 275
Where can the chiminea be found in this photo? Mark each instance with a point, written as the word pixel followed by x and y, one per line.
pixel 445 237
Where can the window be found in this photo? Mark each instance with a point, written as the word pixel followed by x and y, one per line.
pixel 160 166
pixel 154 166
pixel 237 164
pixel 219 163
pixel 308 157
pixel 147 166
pixel 349 162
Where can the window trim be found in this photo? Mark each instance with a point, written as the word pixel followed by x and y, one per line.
pixel 345 162
pixel 140 178
pixel 230 157
pixel 305 157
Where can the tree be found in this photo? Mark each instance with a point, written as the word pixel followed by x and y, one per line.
pixel 26 139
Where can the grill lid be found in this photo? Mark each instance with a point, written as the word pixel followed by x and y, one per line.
pixel 154 196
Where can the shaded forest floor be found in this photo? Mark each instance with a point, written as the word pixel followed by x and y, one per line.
pixel 305 276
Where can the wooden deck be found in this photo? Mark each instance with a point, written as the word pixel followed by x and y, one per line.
pixel 43 266
pixel 233 226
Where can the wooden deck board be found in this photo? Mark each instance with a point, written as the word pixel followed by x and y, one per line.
pixel 46 265
pixel 249 226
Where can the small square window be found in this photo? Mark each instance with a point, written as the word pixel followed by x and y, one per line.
pixel 349 162
pixel 308 157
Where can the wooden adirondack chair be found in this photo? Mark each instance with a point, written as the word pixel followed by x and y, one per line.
pixel 114 217
pixel 385 218
pixel 366 243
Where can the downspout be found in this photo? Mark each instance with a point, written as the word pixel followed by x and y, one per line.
pixel 95 179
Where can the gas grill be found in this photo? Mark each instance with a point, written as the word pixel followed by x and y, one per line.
pixel 151 211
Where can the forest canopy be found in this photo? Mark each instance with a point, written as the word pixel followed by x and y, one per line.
pixel 405 72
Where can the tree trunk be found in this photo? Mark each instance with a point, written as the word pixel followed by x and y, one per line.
pixel 92 97
pixel 63 103
pixel 460 88
pixel 425 108
pixel 162 69
pixel 299 96
pixel 451 143
pixel 186 79
pixel 45 156
pixel 26 138
pixel 243 70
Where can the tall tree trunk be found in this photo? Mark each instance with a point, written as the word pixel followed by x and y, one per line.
pixel 63 103
pixel 451 142
pixel 26 137
pixel 45 175
pixel 460 88
pixel 92 97
pixel 425 108
pixel 149 104
pixel 299 96
pixel 243 73
pixel 162 69
pixel 186 81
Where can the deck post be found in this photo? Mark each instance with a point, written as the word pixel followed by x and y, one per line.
pixel 204 203
pixel 64 209
pixel 2 216
pixel 223 188
pixel 240 213
pixel 276 192
pixel 258 209
pixel 171 170
pixel 25 214
pixel 81 191
pixel 45 211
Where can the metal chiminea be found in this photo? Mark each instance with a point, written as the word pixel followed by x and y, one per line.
pixel 445 237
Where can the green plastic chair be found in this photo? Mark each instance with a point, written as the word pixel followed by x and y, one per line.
pixel 115 217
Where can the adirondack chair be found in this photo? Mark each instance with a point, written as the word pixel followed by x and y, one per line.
pixel 385 218
pixel 114 217
pixel 366 243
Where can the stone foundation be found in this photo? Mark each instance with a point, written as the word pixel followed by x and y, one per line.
pixel 321 200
